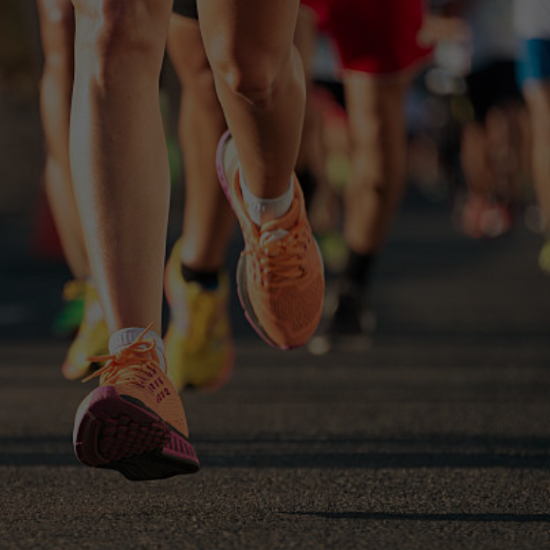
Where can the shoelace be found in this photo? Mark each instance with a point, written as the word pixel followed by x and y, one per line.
pixel 278 262
pixel 132 364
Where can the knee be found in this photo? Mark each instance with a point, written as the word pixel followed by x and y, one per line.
pixel 254 75
pixel 195 75
pixel 56 16
pixel 368 179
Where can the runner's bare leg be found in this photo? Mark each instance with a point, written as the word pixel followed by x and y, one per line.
pixel 260 82
pixel 208 220
pixel 57 34
pixel 118 153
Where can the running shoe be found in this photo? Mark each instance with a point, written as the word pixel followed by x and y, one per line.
pixel 280 276
pixel 544 257
pixel 69 318
pixel 348 323
pixel 481 217
pixel 91 339
pixel 198 343
pixel 134 421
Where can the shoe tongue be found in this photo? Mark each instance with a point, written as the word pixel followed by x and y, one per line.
pixel 123 338
pixel 272 236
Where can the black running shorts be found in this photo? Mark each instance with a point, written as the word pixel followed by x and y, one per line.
pixel 187 8
pixel 492 86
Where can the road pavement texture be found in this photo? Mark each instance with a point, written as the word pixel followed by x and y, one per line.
pixel 437 438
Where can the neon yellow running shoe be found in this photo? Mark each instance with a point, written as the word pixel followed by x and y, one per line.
pixel 91 339
pixel 69 318
pixel 544 257
pixel 198 345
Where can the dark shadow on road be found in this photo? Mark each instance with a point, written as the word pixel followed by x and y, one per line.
pixel 431 440
pixel 380 516
pixel 374 461
pixel 339 453
pixel 23 460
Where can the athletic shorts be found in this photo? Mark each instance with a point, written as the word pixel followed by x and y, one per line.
pixel 377 37
pixel 187 8
pixel 534 61
pixel 491 86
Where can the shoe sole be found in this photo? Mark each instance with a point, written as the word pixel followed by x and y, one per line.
pixel 120 433
pixel 226 371
pixel 242 288
pixel 321 344
pixel 241 265
pixel 242 292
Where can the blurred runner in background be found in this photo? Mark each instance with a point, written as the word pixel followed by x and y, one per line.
pixel 379 52
pixel 493 142
pixel 532 23
pixel 57 26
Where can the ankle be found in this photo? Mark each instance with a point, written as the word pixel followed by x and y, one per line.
pixel 207 279
pixel 126 336
pixel 263 210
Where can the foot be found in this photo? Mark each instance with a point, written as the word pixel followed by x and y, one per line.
pixel 481 217
pixel 348 322
pixel 544 257
pixel 70 317
pixel 134 421
pixel 280 272
pixel 199 346
pixel 91 339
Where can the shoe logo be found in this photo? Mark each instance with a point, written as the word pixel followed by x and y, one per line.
pixel 163 394
pixel 155 385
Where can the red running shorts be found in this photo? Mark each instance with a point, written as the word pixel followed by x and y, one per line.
pixel 377 37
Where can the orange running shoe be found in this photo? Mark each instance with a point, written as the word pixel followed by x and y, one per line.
pixel 134 421
pixel 92 339
pixel 280 272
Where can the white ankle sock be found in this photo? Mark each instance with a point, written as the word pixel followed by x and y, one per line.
pixel 264 210
pixel 126 336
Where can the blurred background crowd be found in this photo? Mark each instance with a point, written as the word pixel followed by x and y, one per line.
pixel 469 134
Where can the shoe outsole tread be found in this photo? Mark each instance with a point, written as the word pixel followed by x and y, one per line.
pixel 120 433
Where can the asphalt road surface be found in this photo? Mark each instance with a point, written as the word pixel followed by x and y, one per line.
pixel 437 438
